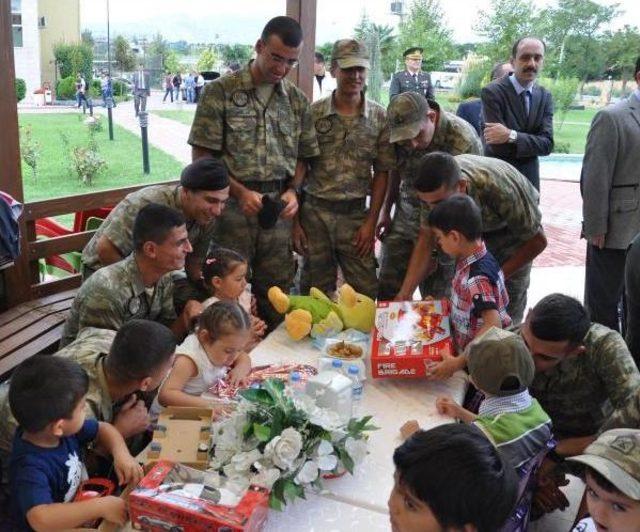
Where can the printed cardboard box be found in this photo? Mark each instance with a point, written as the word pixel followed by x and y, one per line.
pixel 408 336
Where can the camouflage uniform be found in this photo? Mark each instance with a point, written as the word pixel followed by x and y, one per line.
pixel 452 135
pixel 510 217
pixel 583 391
pixel 260 142
pixel 116 294
pixel 336 189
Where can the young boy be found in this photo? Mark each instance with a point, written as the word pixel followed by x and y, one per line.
pixel 450 478
pixel 47 398
pixel 612 475
pixel 478 297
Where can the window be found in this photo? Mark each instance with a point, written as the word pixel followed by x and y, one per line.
pixel 16 22
pixel 42 22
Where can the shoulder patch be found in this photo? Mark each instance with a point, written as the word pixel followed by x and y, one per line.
pixel 323 125
pixel 240 98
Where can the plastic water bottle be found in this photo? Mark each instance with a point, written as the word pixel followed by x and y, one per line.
pixel 337 366
pixel 296 384
pixel 356 390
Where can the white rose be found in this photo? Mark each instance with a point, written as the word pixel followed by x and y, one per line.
pixel 243 461
pixel 324 457
pixel 266 477
pixel 284 449
pixel 307 474
pixel 357 449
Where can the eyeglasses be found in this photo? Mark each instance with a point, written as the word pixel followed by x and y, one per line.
pixel 288 63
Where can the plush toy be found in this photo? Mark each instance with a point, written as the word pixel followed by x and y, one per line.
pixel 317 315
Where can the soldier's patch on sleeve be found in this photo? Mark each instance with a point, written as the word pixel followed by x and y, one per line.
pixel 323 125
pixel 134 305
pixel 240 98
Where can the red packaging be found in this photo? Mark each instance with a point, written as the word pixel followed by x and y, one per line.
pixel 408 336
pixel 161 502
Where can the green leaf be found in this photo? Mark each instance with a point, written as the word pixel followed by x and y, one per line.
pixel 292 490
pixel 275 388
pixel 261 432
pixel 275 503
pixel 257 396
pixel 346 460
pixel 277 424
pixel 247 430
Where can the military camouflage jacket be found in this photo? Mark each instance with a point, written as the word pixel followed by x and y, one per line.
pixel 258 141
pixel 508 201
pixel 88 350
pixel 342 171
pixel 582 392
pixel 453 135
pixel 116 294
pixel 118 227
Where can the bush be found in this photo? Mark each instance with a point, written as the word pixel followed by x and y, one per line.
pixel 561 147
pixel 30 150
pixel 74 59
pixel 95 89
pixel 563 91
pixel 66 89
pixel 471 81
pixel 119 88
pixel 21 89
pixel 591 90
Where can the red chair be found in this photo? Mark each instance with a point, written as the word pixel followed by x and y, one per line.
pixel 69 262
pixel 81 217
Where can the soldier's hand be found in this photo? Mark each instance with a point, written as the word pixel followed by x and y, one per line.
pixel 133 417
pixel 383 225
pixel 250 202
pixel 190 313
pixel 291 199
pixel 300 243
pixel 363 239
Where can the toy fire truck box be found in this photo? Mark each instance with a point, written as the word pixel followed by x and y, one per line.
pixel 409 336
pixel 176 498
pixel 182 434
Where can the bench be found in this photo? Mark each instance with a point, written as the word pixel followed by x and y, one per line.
pixel 31 328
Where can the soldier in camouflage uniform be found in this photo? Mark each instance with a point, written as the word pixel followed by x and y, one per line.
pixel 261 126
pixel 136 358
pixel 511 218
pixel 140 286
pixel 334 226
pixel 417 127
pixel 201 196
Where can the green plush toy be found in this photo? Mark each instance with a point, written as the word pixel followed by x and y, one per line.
pixel 317 315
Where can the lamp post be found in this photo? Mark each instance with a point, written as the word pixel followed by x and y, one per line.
pixel 109 98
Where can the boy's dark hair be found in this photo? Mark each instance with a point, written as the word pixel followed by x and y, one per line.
pixel 220 262
pixel 457 213
pixel 139 349
pixel 476 487
pixel 559 318
pixel 601 481
pixel 435 170
pixel 222 318
pixel 319 57
pixel 514 48
pixel 44 389
pixel 286 28
pixel 153 223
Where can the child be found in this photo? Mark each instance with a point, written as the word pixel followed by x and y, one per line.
pixel 450 478
pixel 478 297
pixel 225 275
pixel 205 356
pixel 612 475
pixel 47 397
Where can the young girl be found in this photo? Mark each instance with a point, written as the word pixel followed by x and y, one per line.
pixel 225 274
pixel 222 333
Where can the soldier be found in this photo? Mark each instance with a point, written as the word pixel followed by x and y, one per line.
pixel 136 358
pixel 512 230
pixel 201 196
pixel 261 126
pixel 412 79
pixel 139 286
pixel 334 226
pixel 416 127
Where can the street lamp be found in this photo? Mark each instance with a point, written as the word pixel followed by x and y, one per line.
pixel 109 98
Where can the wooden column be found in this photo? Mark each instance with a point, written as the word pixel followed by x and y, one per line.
pixel 304 11
pixel 17 278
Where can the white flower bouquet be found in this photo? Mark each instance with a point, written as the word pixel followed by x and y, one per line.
pixel 285 443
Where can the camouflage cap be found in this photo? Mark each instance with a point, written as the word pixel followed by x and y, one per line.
pixel 350 53
pixel 498 357
pixel 406 113
pixel 616 456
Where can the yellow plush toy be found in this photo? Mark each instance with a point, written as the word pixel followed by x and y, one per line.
pixel 317 315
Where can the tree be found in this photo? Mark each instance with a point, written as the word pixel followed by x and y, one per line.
pixel 74 59
pixel 207 60
pixel 87 38
pixel 123 55
pixel 424 26
pixel 563 91
pixel 386 43
pixel 370 34
pixel 621 51
pixel 158 51
pixel 326 49
pixel 239 53
pixel 171 62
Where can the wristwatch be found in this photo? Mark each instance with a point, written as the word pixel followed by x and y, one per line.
pixel 513 135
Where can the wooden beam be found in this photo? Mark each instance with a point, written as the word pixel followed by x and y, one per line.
pixel 304 11
pixel 53 287
pixel 57 245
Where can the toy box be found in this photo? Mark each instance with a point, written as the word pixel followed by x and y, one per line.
pixel 177 498
pixel 182 434
pixel 408 336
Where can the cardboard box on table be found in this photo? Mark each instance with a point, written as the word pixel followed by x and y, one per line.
pixel 408 336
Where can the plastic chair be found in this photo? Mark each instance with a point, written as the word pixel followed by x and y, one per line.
pixel 82 217
pixel 57 265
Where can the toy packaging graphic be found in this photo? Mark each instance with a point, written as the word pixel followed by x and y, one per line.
pixel 408 336
pixel 177 498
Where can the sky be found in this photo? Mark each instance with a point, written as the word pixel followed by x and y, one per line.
pixel 242 20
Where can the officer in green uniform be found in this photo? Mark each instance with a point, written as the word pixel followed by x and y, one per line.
pixel 140 286
pixel 334 227
pixel 511 218
pixel 261 126
pixel 417 127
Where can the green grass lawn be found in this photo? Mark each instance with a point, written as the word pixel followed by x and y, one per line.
pixel 186 117
pixel 123 155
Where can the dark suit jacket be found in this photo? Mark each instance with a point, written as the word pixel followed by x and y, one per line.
pixel 404 82
pixel 500 103
pixel 471 111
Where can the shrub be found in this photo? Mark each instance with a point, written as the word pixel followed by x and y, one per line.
pixel 66 89
pixel 119 88
pixel 471 80
pixel 563 91
pixel 21 89
pixel 30 150
pixel 74 59
pixel 85 161
pixel 561 147
pixel 591 90
pixel 95 88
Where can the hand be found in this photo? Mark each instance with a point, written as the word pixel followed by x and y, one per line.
pixel 191 311
pixel 290 197
pixel 597 241
pixel 409 428
pixel 364 237
pixel 383 225
pixel 402 296
pixel 258 326
pixel 439 371
pixel 446 406
pixel 548 496
pixel 113 509
pixel 238 375
pixel 133 417
pixel 496 133
pixel 300 242
pixel 254 305
pixel 127 468
pixel 250 202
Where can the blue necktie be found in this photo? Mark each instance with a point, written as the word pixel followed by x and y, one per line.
pixel 526 96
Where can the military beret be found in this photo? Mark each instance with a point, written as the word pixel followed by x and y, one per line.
pixel 414 51
pixel 207 173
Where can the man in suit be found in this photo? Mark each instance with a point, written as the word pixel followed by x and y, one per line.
pixel 141 89
pixel 412 78
pixel 518 113
pixel 610 184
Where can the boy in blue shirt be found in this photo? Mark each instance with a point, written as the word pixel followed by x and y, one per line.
pixel 47 398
